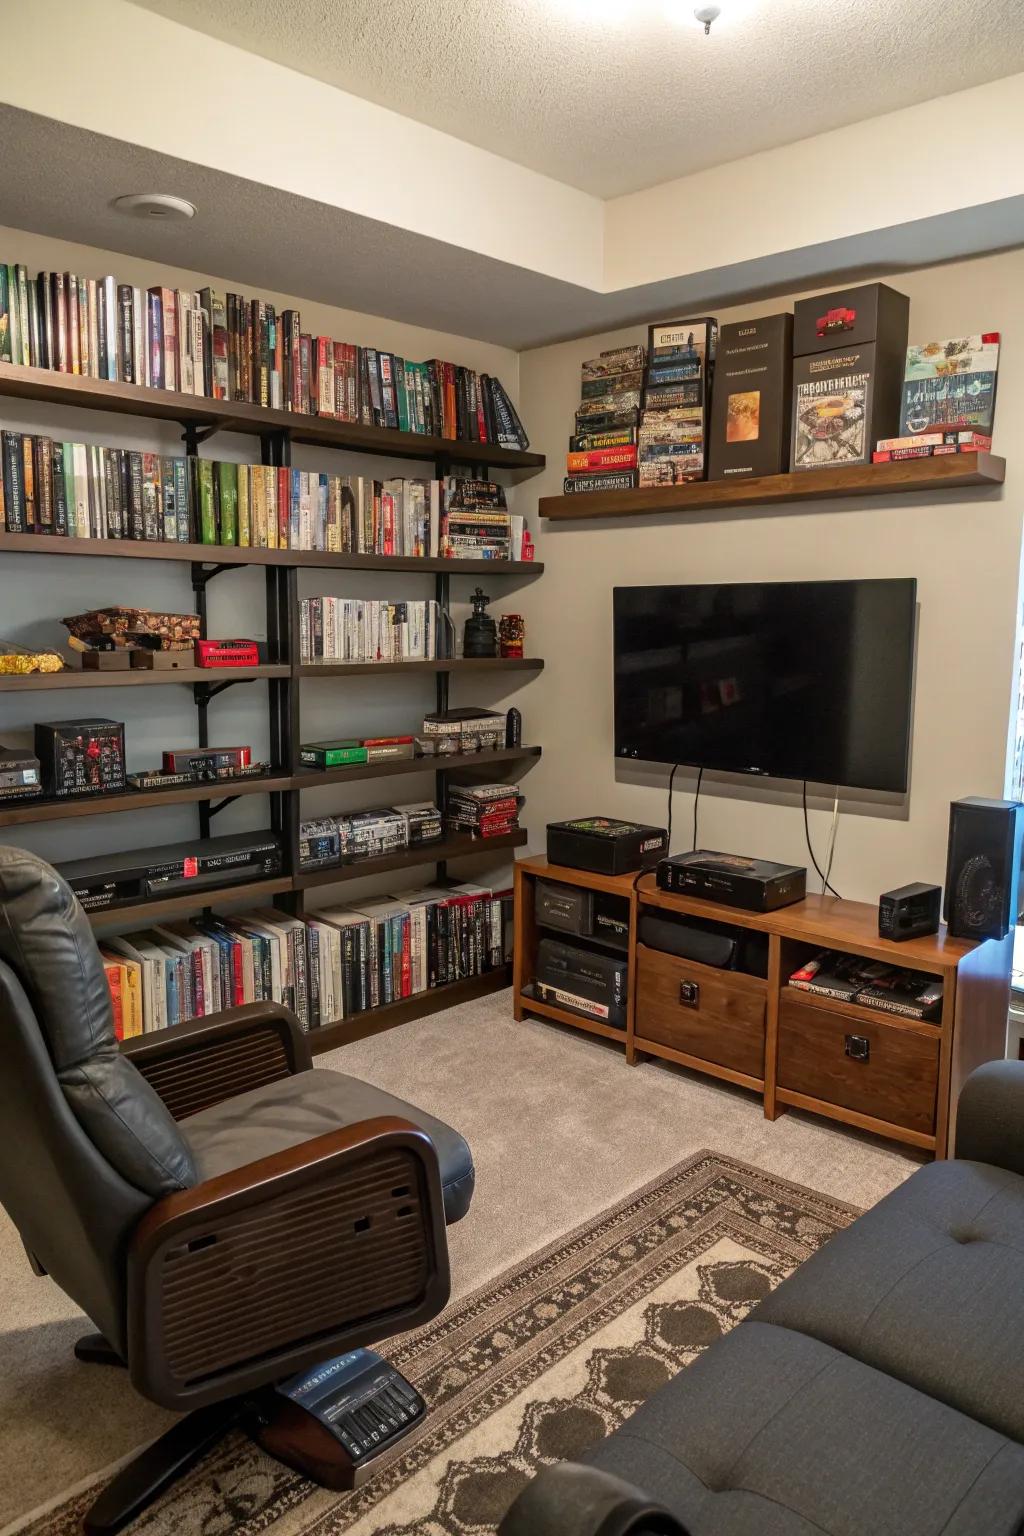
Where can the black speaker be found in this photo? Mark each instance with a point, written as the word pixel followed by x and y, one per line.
pixel 983 868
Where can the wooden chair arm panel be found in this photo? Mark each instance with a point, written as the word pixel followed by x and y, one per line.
pixel 272 1267
pixel 193 1066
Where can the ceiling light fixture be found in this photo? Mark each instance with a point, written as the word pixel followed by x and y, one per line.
pixel 154 205
pixel 706 14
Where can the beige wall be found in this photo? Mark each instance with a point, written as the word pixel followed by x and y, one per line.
pixel 36 592
pixel 963 549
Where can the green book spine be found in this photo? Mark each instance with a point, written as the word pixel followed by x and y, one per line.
pixel 228 477
pixel 6 337
pixel 401 398
pixel 207 515
pixel 70 491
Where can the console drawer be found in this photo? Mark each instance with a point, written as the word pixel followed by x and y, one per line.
pixel 884 1070
pixel 715 1015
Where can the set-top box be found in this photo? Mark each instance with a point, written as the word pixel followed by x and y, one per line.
pixel 118 879
pixel 755 885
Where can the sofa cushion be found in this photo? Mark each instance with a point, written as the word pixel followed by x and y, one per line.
pixel 772 1433
pixel 928 1287
pixel 295 1109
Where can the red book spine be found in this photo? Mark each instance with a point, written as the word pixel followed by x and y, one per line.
pixel 601 459
pixel 237 975
pixel 284 488
pixel 406 961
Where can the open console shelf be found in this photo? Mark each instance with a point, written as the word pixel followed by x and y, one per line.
pixel 745 1024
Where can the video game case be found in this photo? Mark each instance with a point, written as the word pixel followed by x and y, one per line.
pixel 620 480
pixel 587 442
pixel 616 360
pixel 601 460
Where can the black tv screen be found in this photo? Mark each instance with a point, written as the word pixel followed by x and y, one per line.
pixel 790 679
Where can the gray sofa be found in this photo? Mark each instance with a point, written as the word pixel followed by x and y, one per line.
pixel 878 1392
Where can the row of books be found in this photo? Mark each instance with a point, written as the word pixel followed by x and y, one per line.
pixel 229 347
pixel 367 630
pixel 926 445
pixel 80 490
pixel 328 966
pixel 870 983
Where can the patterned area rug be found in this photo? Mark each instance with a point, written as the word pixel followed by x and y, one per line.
pixel 532 1368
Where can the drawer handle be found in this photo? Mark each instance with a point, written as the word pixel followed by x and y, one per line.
pixel 858 1047
pixel 689 994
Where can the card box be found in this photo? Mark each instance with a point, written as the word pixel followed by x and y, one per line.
pixel 851 317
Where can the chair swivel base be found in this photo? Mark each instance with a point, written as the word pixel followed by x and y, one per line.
pixel 331 1423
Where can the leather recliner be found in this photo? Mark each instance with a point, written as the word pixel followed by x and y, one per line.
pixel 224 1213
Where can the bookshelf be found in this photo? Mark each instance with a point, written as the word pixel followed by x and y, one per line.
pixel 283 673
pixel 949 472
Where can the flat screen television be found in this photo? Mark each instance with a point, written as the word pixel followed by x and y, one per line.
pixel 789 679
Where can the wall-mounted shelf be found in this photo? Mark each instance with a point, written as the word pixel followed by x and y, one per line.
pixel 138 677
pixel 21 812
pixel 255 893
pixel 321 669
pixel 452 847
pixel 948 472
pixel 254 420
pixel 233 554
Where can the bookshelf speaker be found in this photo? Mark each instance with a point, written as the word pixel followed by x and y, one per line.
pixel 983 868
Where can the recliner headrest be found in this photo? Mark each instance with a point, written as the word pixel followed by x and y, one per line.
pixel 46 939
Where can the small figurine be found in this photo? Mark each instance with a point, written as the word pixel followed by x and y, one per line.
pixel 480 637
pixel 511 632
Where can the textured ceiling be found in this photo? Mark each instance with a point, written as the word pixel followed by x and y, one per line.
pixel 611 95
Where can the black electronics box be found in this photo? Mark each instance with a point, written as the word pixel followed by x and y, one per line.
pixel 597 915
pixel 849 317
pixel 581 980
pixel 119 879
pixel 754 885
pixel 19 774
pixel 752 399
pixel 984 887
pixel 604 845
pixel 721 945
pixel 910 912
pixel 81 757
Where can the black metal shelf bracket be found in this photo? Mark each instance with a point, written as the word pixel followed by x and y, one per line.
pixel 193 435
pixel 221 805
pixel 205 693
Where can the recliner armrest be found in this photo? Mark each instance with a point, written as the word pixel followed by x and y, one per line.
pixel 267 1269
pixel 569 1499
pixel 990 1116
pixel 193 1066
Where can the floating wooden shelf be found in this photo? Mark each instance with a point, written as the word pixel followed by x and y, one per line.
pixel 444 664
pixel 233 554
pixel 316 778
pixel 373 1021
pixel 425 853
pixel 948 472
pixel 253 420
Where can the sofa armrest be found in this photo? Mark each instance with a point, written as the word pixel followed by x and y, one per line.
pixel 990 1116
pixel 193 1066
pixel 267 1269
pixel 568 1499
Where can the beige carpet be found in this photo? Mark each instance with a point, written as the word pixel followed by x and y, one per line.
pixel 535 1366
pixel 560 1129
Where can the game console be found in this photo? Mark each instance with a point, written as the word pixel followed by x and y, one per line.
pixel 733 880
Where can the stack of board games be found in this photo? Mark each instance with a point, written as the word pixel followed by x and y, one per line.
pixel 352 751
pixel 849 349
pixel 360 835
pixel 228 347
pixel 751 399
pixel 367 630
pixel 465 729
pixel 870 984
pixel 327 966
pixel 602 451
pixel 479 526
pixel 484 810
pixel 673 427
pixel 949 399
